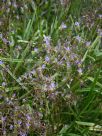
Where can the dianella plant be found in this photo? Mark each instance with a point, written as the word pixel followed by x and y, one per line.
pixel 50 68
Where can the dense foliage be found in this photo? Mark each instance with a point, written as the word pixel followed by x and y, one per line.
pixel 51 68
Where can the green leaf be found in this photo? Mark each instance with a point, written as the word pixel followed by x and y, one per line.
pixel 97 83
pixel 64 129
pixel 85 123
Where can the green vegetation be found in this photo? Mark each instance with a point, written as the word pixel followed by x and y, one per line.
pixel 51 68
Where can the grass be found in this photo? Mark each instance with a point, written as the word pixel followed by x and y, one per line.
pixel 50 68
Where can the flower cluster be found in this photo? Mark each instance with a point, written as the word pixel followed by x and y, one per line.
pixel 43 66
pixel 16 118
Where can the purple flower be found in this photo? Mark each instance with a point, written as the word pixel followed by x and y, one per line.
pixel 14 5
pixel 1 62
pixel 47 40
pixel 78 38
pixel 67 48
pixel 88 43
pixel 68 65
pixel 3 119
pixel 36 50
pixel 47 59
pixel 43 66
pixel 14 95
pixel 10 102
pixel 100 16
pixel 80 71
pixel 79 61
pixel 77 24
pixel 28 125
pixel 23 134
pixel 11 127
pixel 52 85
pixel 19 122
pixel 5 40
pixel 1 36
pixel 28 117
pixel 63 26
pixel 16 108
pixel 73 56
pixel 3 83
